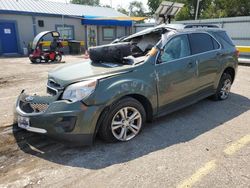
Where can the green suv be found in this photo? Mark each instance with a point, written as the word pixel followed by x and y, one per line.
pixel 133 80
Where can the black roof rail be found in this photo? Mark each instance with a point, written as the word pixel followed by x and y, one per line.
pixel 200 25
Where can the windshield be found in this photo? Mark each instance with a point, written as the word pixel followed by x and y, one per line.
pixel 143 42
pixel 128 49
pixel 44 35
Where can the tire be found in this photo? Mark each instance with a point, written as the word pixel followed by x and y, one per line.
pixel 46 59
pixel 224 87
pixel 110 52
pixel 123 121
pixel 37 60
pixel 58 58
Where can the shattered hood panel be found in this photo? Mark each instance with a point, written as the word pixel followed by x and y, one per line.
pixel 73 72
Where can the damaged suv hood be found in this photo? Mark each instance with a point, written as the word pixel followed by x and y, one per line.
pixel 73 72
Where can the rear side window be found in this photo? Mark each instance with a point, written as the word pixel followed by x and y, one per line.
pixel 201 42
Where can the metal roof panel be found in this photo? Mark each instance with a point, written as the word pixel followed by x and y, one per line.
pixel 47 7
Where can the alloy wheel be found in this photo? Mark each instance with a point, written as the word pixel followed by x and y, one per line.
pixel 225 89
pixel 126 123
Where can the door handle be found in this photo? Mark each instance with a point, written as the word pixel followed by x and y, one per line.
pixel 190 65
pixel 197 67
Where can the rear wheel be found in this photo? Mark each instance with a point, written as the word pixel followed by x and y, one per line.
pixel 37 60
pixel 123 121
pixel 224 87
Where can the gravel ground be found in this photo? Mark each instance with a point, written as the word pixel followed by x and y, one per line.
pixel 203 145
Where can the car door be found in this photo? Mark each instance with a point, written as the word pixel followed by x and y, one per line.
pixel 175 71
pixel 8 40
pixel 205 50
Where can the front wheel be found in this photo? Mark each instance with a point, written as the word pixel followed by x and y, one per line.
pixel 224 87
pixel 58 58
pixel 123 121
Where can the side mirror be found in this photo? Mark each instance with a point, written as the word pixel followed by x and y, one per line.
pixel 159 60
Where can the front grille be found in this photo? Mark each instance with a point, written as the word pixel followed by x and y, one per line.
pixel 53 88
pixel 30 107
pixel 42 107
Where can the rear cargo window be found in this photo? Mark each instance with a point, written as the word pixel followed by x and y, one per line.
pixel 216 44
pixel 223 36
pixel 201 42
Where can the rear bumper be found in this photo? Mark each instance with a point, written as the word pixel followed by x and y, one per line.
pixel 60 119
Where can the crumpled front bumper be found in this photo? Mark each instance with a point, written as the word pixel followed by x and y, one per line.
pixel 73 122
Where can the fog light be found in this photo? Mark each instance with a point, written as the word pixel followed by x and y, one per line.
pixel 67 124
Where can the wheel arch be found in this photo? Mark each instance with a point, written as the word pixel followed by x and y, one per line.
pixel 227 69
pixel 231 71
pixel 145 103
pixel 140 98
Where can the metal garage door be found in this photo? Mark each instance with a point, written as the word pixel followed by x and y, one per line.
pixel 8 40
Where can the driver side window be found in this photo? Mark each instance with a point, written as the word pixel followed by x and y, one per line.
pixel 176 48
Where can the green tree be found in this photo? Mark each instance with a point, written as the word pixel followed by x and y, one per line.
pixel 136 8
pixel 187 12
pixel 107 6
pixel 86 2
pixel 189 9
pixel 207 8
pixel 227 8
pixel 184 14
pixel 153 5
pixel 213 11
pixel 122 10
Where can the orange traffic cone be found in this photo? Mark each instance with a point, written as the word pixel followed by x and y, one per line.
pixel 86 55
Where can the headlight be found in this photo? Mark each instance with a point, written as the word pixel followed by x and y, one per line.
pixel 79 91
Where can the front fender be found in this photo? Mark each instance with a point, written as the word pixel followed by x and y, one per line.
pixel 129 87
pixel 112 89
